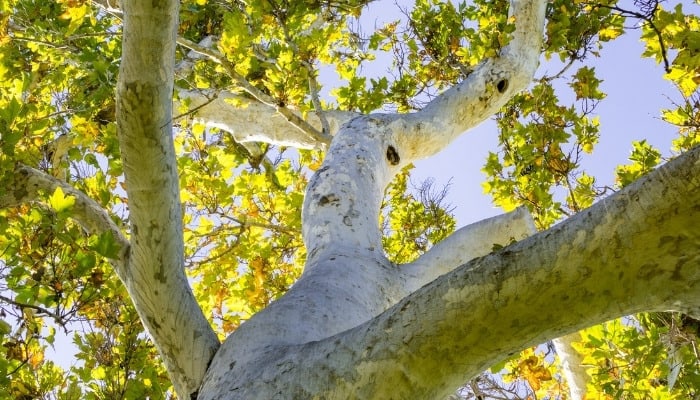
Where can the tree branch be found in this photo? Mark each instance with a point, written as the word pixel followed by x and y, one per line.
pixel 58 319
pixel 28 182
pixel 156 279
pixel 636 250
pixel 481 94
pixel 294 119
pixel 252 121
pixel 471 241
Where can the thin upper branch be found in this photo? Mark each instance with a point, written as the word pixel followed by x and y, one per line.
pixel 482 93
pixel 41 310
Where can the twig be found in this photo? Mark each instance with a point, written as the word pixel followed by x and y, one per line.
pixel 195 109
pixel 56 317
pixel 648 20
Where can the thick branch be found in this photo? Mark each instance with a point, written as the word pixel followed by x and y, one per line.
pixel 635 251
pixel 482 93
pixel 157 283
pixel 471 241
pixel 252 121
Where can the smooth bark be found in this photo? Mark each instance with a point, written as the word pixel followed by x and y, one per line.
pixel 572 366
pixel 155 276
pixel 248 120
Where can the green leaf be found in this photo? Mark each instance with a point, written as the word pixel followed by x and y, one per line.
pixel 5 328
pixel 105 245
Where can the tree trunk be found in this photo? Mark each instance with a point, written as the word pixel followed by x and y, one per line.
pixel 154 273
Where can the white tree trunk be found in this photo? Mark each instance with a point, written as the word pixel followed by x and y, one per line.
pixel 154 273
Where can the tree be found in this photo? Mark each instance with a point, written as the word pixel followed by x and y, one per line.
pixel 85 196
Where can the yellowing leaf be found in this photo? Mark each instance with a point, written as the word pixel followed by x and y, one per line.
pixel 98 373
pixel 60 202
pixel 534 372
pixel 36 359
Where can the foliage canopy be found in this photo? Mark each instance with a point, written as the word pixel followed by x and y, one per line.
pixel 58 66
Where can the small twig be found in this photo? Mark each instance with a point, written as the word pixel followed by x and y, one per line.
pixel 22 364
pixel 195 109
pixel 559 74
pixel 56 317
pixel 648 20
pixel 313 90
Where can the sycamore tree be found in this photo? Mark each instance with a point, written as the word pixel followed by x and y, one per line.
pixel 180 194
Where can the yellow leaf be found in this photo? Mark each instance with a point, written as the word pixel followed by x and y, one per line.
pixel 36 359
pixel 197 129
pixel 59 201
pixel 75 15
pixel 684 79
pixel 98 373
pixel 534 372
